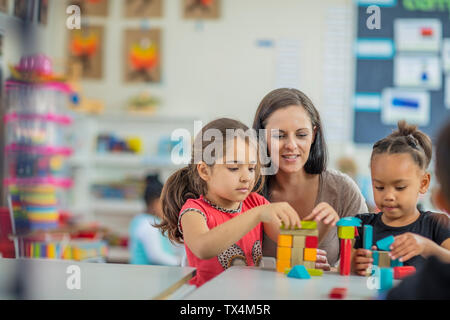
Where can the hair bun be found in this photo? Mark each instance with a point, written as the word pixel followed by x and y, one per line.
pixel 406 129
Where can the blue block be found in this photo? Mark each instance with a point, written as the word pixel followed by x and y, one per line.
pixel 386 278
pixel 299 272
pixel 396 263
pixel 349 222
pixel 385 243
pixel 375 257
pixel 368 237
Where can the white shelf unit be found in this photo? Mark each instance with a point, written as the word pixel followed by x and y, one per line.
pixel 89 167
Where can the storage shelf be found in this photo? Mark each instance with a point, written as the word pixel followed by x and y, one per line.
pixel 118 206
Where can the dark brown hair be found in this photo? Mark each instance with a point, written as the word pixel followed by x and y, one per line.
pixel 406 139
pixel 442 160
pixel 285 97
pixel 186 183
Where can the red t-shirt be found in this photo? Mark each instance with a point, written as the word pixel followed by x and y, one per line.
pixel 247 251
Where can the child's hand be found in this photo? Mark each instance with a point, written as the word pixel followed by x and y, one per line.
pixel 408 245
pixel 279 212
pixel 325 213
pixel 322 261
pixel 362 259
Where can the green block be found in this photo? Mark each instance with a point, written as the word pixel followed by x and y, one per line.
pixel 346 232
pixel 287 270
pixel 315 272
pixel 309 225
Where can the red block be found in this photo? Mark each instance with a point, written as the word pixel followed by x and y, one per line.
pixel 311 242
pixel 338 293
pixel 401 272
pixel 346 257
pixel 426 32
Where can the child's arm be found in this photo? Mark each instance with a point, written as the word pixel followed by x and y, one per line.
pixel 207 243
pixel 408 245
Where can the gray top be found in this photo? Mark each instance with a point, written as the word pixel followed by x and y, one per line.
pixel 243 283
pixel 55 279
pixel 343 194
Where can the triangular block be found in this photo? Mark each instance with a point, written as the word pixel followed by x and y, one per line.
pixel 299 272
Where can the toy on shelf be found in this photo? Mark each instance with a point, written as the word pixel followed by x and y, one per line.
pixel 112 143
pixel 298 247
pixel 36 123
pixel 143 104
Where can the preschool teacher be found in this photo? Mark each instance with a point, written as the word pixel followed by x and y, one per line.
pixel 294 132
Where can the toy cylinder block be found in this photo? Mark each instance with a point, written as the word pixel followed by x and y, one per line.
pixel 297 256
pixel 368 237
pixel 346 257
pixel 299 242
pixel 346 232
pixel 285 240
pixel 284 253
pixel 310 254
pixel 401 272
pixel 311 242
pixel 282 265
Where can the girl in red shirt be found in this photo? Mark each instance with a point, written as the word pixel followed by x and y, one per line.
pixel 212 205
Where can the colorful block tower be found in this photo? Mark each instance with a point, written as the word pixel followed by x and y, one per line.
pixel 298 247
pixel 346 233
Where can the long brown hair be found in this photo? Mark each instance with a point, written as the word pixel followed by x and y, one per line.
pixel 285 97
pixel 406 139
pixel 442 160
pixel 186 183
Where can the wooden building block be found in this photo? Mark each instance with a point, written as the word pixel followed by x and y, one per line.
pixel 401 272
pixel 285 240
pixel 386 278
pixel 346 232
pixel 338 293
pixel 309 264
pixel 309 225
pixel 284 253
pixel 310 254
pixel 282 265
pixel 311 242
pixel 346 257
pixel 299 272
pixel 298 242
pixel 384 261
pixel 297 256
pixel 385 243
pixel 368 237
pixel 300 232
pixel 315 272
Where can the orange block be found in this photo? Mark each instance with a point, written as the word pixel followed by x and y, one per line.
pixel 285 240
pixel 282 265
pixel 310 254
pixel 284 253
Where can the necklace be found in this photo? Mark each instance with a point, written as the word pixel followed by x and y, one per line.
pixel 215 206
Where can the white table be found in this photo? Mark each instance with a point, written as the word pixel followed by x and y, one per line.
pixel 48 279
pixel 251 283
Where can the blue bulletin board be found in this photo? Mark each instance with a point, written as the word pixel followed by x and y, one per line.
pixel 385 62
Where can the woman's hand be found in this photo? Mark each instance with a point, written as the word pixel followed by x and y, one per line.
pixel 408 245
pixel 279 212
pixel 362 259
pixel 325 213
pixel 322 261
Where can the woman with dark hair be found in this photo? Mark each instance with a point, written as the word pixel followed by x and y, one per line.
pixel 298 152
pixel 147 244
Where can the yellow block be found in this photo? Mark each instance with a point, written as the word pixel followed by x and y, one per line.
pixel 285 240
pixel 346 232
pixel 284 253
pixel 310 254
pixel 282 265
pixel 51 251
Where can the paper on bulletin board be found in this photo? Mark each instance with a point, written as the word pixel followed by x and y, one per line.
pixel 418 71
pixel 447 91
pixel 423 35
pixel 405 104
pixel 446 55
